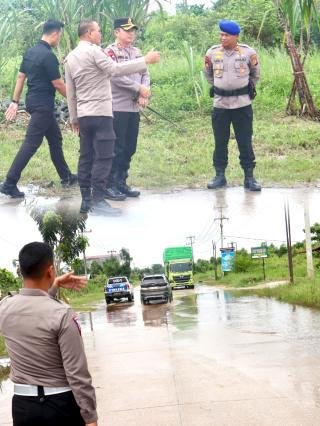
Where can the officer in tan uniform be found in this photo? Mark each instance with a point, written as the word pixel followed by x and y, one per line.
pixel 52 384
pixel 232 69
pixel 129 94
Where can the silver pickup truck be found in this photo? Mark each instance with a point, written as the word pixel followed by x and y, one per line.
pixel 155 288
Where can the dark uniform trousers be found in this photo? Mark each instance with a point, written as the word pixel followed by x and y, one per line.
pixel 96 153
pixel 42 124
pixel 52 410
pixel 126 127
pixel 241 120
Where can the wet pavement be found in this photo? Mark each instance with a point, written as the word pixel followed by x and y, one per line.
pixel 158 220
pixel 206 359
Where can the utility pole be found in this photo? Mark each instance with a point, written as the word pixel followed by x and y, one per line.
pixel 111 252
pixel 214 250
pixel 288 234
pixel 310 270
pixel 191 239
pixel 221 218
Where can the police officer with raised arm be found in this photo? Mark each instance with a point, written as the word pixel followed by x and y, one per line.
pixel 52 384
pixel 232 69
pixel 129 94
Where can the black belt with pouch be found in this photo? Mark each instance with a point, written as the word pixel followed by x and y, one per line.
pixel 246 90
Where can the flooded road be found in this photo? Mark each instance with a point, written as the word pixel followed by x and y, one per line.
pixel 206 359
pixel 158 220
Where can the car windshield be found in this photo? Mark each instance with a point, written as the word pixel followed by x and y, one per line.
pixel 181 267
pixel 153 279
pixel 117 280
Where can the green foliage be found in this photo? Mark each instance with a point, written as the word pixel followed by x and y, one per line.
pixel 202 265
pixel 62 229
pixel 113 265
pixel 3 352
pixel 242 262
pixel 8 281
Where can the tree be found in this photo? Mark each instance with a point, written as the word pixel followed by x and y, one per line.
pixel 297 18
pixel 8 281
pixel 62 229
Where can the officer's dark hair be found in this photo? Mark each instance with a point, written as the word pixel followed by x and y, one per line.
pixel 34 258
pixel 85 26
pixel 51 26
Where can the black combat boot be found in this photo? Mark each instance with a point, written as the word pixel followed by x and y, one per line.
pixel 71 180
pixel 250 182
pixel 219 181
pixel 11 190
pixel 113 193
pixel 86 203
pixel 101 207
pixel 124 188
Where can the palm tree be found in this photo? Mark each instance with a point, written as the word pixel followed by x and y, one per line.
pixel 296 18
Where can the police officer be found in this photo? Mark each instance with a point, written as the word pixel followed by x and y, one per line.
pixel 88 74
pixel 40 68
pixel 129 94
pixel 232 69
pixel 52 384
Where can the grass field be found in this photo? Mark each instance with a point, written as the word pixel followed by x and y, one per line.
pixel 287 148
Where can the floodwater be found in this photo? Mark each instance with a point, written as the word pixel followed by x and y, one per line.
pixel 207 359
pixel 157 220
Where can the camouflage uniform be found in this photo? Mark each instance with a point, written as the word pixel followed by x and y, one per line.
pixel 230 72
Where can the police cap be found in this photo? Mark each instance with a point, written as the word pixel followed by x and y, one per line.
pixel 124 23
pixel 229 27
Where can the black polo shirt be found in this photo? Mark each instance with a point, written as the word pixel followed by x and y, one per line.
pixel 41 66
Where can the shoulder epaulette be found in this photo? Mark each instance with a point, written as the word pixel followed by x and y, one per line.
pixel 215 46
pixel 244 45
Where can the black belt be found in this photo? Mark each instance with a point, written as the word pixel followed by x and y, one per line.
pixel 236 92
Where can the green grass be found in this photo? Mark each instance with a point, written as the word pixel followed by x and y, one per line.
pixel 303 292
pixel 2 347
pixel 287 148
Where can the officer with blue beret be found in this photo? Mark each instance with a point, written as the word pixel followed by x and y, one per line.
pixel 232 69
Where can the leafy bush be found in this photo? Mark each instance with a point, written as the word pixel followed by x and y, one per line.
pixel 8 281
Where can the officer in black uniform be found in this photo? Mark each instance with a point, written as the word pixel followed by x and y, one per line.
pixel 40 67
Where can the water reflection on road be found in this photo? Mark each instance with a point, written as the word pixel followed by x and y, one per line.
pixel 158 220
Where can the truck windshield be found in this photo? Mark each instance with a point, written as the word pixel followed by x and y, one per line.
pixel 181 267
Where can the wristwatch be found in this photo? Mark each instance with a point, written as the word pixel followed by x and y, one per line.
pixel 14 101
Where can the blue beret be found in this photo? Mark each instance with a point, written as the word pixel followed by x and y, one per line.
pixel 229 27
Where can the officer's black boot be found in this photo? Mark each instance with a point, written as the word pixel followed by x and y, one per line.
pixel 101 207
pixel 11 189
pixel 219 181
pixel 250 182
pixel 124 188
pixel 112 191
pixel 86 203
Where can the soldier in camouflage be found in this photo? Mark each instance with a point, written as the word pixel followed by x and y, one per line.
pixel 129 94
pixel 232 69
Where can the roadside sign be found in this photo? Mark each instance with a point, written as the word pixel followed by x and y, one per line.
pixel 227 259
pixel 259 252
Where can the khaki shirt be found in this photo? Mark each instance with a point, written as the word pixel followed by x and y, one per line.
pixel 88 71
pixel 44 343
pixel 125 89
pixel 230 70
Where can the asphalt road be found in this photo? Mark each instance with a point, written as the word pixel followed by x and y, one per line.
pixel 206 359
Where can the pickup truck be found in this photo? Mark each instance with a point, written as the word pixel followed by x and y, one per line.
pixel 118 288
pixel 155 288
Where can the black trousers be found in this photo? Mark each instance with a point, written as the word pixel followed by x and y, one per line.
pixel 96 153
pixel 241 120
pixel 53 410
pixel 42 124
pixel 126 127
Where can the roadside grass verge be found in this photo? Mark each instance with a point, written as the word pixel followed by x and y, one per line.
pixel 287 151
pixel 303 292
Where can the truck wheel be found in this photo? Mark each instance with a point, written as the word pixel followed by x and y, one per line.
pixel 130 298
pixel 108 300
